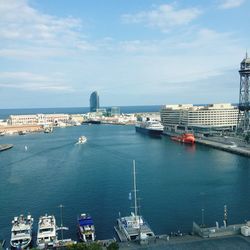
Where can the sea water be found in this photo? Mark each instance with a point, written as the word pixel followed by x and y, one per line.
pixel 175 181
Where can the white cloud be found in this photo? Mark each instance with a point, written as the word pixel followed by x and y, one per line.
pixel 22 26
pixel 229 4
pixel 33 82
pixel 165 17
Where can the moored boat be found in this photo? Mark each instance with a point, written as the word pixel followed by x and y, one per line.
pixel 133 227
pixel 48 129
pixel 21 232
pixel 46 235
pixel 151 127
pixel 86 228
pixel 185 138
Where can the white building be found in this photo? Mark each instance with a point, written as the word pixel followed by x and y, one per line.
pixel 38 119
pixel 189 117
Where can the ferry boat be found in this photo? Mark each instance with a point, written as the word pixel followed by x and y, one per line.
pixel 86 228
pixel 82 139
pixel 151 127
pixel 185 138
pixel 21 232
pixel 133 227
pixel 46 235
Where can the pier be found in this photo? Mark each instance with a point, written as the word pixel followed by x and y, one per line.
pixel 5 146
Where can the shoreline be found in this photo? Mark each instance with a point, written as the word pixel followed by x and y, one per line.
pixel 221 143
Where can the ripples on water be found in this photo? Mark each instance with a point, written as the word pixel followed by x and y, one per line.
pixel 175 181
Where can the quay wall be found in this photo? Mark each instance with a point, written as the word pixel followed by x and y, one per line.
pixel 245 151
pixel 17 128
pixel 225 147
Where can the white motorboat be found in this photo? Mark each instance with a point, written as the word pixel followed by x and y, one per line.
pixel 82 139
pixel 21 232
pixel 46 235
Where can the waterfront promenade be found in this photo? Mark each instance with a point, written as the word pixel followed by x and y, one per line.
pixel 229 144
pixel 192 243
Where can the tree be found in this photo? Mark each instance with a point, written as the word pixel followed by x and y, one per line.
pixel 113 246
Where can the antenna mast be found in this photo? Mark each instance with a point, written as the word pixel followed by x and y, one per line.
pixel 135 198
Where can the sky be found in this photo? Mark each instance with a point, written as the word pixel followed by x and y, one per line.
pixel 54 53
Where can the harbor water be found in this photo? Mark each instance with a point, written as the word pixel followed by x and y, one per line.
pixel 175 181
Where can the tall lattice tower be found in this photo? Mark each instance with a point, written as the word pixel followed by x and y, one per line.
pixel 244 101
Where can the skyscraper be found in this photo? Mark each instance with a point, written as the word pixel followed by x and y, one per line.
pixel 94 101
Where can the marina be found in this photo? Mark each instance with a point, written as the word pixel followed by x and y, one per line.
pixel 187 184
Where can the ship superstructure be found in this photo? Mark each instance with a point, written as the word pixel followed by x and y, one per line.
pixel 46 235
pixel 21 232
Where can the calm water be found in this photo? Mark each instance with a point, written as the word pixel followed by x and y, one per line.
pixel 175 180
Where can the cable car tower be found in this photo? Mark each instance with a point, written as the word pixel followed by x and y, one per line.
pixel 243 125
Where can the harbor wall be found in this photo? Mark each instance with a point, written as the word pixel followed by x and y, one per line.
pixel 240 150
pixel 16 129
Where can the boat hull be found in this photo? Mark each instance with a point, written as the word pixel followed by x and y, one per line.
pixel 149 131
pixel 185 138
pixel 22 245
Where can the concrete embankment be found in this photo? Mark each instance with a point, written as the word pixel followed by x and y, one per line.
pixel 230 144
pixel 225 147
pixel 17 128
pixel 5 147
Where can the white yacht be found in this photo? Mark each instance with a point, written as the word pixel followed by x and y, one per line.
pixel 21 232
pixel 82 139
pixel 46 235
pixel 133 227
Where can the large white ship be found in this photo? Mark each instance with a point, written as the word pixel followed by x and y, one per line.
pixel 151 127
pixel 133 227
pixel 21 232
pixel 46 235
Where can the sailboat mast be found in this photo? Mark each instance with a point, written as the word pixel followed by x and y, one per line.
pixel 135 198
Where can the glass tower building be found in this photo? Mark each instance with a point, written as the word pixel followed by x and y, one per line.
pixel 94 101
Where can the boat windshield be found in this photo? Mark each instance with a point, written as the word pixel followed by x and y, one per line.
pixel 45 230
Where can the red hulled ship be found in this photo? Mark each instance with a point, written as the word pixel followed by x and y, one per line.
pixel 185 138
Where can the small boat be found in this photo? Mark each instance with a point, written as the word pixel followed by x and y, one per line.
pixel 133 227
pixel 48 129
pixel 86 228
pixel 46 235
pixel 185 138
pixel 21 232
pixel 82 139
pixel 22 132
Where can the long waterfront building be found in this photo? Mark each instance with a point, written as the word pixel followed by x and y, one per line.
pixel 188 116
pixel 39 119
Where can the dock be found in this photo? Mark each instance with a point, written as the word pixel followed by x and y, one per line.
pixel 236 149
pixel 121 235
pixel 2 243
pixel 229 144
pixel 5 146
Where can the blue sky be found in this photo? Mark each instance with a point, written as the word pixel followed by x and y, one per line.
pixel 54 53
